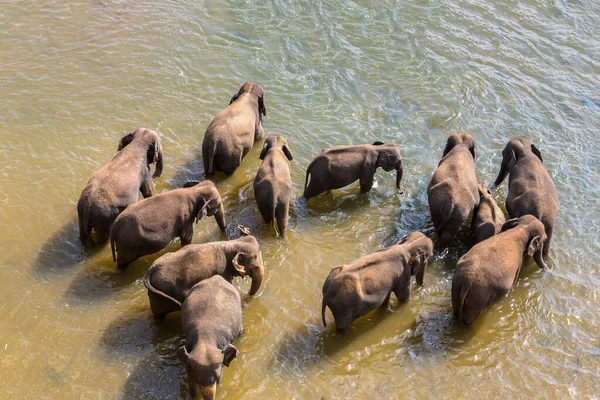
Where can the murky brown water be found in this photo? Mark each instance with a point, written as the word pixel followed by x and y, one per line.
pixel 75 76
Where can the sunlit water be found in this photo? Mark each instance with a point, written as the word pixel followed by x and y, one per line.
pixel 76 76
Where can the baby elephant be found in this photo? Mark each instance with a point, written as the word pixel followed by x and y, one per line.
pixel 233 131
pixel 488 218
pixel 172 275
pixel 116 185
pixel 452 192
pixel 488 271
pixel 149 225
pixel 339 166
pixel 273 183
pixel 351 291
pixel 212 320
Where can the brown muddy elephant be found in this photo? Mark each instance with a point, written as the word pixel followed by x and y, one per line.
pixel 452 192
pixel 149 225
pixel 233 131
pixel 212 320
pixel 490 269
pixel 488 218
pixel 339 166
pixel 273 183
pixel 171 277
pixel 116 185
pixel 351 291
pixel 530 188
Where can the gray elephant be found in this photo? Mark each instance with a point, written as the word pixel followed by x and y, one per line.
pixel 149 225
pixel 530 188
pixel 488 218
pixel 339 166
pixel 452 192
pixel 273 183
pixel 233 131
pixel 351 291
pixel 490 269
pixel 212 320
pixel 171 277
pixel 116 185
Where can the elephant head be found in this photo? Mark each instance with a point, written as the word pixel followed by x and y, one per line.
pixel 276 141
pixel 388 158
pixel 249 261
pixel 257 90
pixel 420 248
pixel 460 138
pixel 149 140
pixel 208 202
pixel 537 236
pixel 515 149
pixel 205 366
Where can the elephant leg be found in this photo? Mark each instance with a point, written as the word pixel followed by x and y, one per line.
pixel 402 289
pixel 265 209
pixel 447 232
pixel 102 233
pixel 314 187
pixel 161 306
pixel 366 183
pixel 124 258
pixel 386 301
pixel 259 132
pixel 147 187
pixel 281 214
pixel 186 235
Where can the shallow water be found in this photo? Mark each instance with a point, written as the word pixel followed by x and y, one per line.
pixel 76 76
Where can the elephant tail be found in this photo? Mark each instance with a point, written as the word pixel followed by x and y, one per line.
pixel 211 156
pixel 148 283
pixel 323 306
pixel 306 179
pixel 112 244
pixel 458 298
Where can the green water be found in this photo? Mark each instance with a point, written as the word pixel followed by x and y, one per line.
pixel 76 76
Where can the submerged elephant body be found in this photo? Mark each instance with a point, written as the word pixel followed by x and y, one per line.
pixel 452 193
pixel 339 166
pixel 149 225
pixel 172 276
pixel 116 185
pixel 488 218
pixel 273 183
pixel 233 131
pixel 530 187
pixel 490 269
pixel 351 291
pixel 212 320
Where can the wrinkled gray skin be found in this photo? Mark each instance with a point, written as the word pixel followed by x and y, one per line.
pixel 490 269
pixel 488 218
pixel 212 320
pixel 149 225
pixel 339 166
pixel 273 183
pixel 530 188
pixel 351 291
pixel 115 186
pixel 452 192
pixel 172 275
pixel 233 131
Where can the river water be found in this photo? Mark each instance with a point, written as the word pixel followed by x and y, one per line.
pixel 77 75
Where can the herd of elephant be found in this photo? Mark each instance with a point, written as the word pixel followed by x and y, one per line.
pixel 196 279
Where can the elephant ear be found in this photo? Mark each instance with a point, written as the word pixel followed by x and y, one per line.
pixel 535 151
pixel 203 212
pixel 189 184
pixel 453 140
pixel 262 108
pixel 377 143
pixel 237 261
pixel 511 223
pixel 125 140
pixel 229 354
pixel 473 150
pixel 287 152
pixel 535 245
pixel 265 148
pixel 235 97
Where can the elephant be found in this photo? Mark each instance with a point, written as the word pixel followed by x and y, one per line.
pixel 150 224
pixel 212 320
pixel 171 277
pixel 273 183
pixel 452 192
pixel 490 269
pixel 488 218
pixel 233 131
pixel 530 187
pixel 339 166
pixel 115 186
pixel 351 291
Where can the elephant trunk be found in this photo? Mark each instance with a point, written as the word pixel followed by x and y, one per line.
pixel 420 275
pixel 257 277
pixel 539 259
pixel 399 171
pixel 220 217
pixel 502 174
pixel 159 163
pixel 208 392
